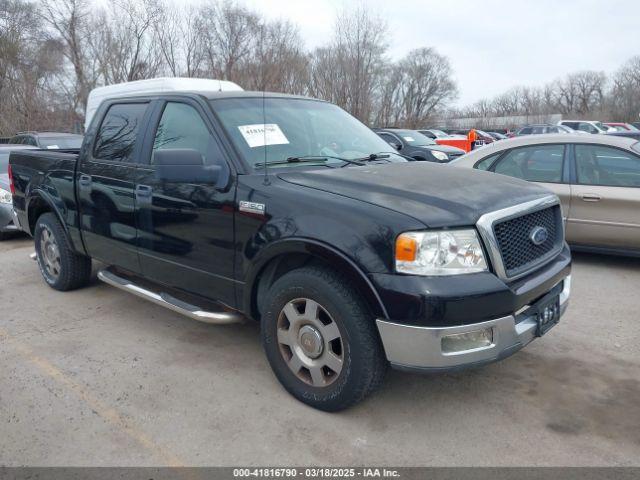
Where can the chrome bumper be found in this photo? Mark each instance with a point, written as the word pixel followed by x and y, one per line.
pixel 420 348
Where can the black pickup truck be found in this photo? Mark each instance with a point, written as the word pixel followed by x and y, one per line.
pixel 227 206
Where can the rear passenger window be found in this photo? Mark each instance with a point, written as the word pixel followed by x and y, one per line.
pixel 116 139
pixel 537 163
pixel 605 166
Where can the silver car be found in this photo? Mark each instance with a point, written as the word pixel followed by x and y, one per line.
pixel 7 223
pixel 597 178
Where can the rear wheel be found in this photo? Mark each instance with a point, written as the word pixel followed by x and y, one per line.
pixel 61 267
pixel 320 339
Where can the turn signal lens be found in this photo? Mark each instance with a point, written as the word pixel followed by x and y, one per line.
pixel 406 248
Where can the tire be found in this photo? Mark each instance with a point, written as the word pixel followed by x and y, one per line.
pixel 60 266
pixel 291 334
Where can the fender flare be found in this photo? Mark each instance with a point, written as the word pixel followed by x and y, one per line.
pixel 38 195
pixel 313 248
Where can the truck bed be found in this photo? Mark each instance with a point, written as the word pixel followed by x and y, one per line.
pixel 49 174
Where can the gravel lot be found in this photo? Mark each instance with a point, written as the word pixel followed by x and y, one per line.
pixel 100 377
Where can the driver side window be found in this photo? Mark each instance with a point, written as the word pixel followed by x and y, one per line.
pixel 182 127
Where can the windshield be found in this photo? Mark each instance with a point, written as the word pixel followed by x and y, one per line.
pixel 439 133
pixel 292 128
pixel 564 129
pixel 72 141
pixel 414 138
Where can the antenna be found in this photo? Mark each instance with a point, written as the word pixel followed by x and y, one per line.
pixel 264 133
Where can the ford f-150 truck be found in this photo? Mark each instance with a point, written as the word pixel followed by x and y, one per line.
pixel 232 205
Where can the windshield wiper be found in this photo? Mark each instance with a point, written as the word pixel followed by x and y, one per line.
pixel 308 159
pixel 369 158
pixel 305 159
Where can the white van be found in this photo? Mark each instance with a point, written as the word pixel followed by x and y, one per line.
pixel 154 85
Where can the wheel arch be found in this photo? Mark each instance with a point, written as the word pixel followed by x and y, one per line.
pixel 39 203
pixel 287 255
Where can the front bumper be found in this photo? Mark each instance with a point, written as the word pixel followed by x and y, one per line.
pixel 412 347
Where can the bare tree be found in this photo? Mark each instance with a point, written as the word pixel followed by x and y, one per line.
pixel 277 61
pixel 72 24
pixel 228 31
pixel 625 93
pixel 179 40
pixel 580 92
pixel 124 42
pixel 29 63
pixel 420 86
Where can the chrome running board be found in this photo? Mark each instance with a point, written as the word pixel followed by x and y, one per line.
pixel 221 317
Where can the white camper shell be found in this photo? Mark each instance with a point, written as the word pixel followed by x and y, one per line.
pixel 153 85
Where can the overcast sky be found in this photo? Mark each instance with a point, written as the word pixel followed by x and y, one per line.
pixel 492 45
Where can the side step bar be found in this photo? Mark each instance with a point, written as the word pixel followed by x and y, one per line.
pixel 165 300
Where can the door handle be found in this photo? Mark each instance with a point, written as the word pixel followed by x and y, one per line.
pixel 143 191
pixel 591 197
pixel 85 180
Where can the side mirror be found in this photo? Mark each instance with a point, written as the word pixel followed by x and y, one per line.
pixel 186 165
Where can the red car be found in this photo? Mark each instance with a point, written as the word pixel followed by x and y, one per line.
pixel 622 127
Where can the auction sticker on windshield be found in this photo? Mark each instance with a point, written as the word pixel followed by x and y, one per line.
pixel 260 134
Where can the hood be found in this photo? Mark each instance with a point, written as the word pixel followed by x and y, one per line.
pixel 436 195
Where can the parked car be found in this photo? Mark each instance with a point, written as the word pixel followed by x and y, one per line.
pixel 443 138
pixel 418 265
pixel 49 140
pixel 628 134
pixel 7 219
pixel 597 178
pixel 622 127
pixel 434 134
pixel 498 136
pixel 636 124
pixel 542 128
pixel 413 144
pixel 586 126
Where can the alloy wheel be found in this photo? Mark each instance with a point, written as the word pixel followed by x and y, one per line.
pixel 49 253
pixel 310 342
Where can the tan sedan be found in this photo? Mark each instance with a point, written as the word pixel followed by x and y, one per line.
pixel 597 178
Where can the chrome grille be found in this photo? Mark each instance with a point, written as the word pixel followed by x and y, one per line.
pixel 516 247
pixel 507 235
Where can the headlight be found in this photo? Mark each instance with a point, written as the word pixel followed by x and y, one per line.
pixel 444 252
pixel 440 155
pixel 5 197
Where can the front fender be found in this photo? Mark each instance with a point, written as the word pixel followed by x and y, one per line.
pixel 315 249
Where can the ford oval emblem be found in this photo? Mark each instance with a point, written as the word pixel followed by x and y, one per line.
pixel 538 235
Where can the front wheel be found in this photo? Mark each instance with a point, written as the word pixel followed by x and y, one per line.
pixel 61 267
pixel 321 340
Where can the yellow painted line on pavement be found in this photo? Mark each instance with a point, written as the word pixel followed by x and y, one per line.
pixel 108 414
